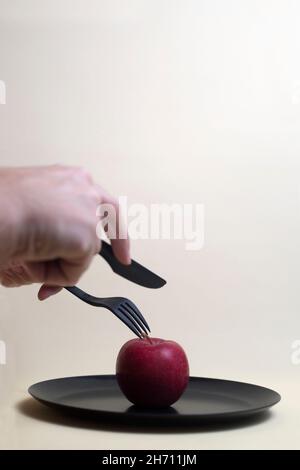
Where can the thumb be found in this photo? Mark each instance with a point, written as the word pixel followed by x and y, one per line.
pixel 47 291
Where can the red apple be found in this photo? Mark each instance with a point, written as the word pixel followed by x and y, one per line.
pixel 152 372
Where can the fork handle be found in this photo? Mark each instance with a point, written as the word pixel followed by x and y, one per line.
pixel 85 297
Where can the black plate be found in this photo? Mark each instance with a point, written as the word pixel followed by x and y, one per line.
pixel 205 400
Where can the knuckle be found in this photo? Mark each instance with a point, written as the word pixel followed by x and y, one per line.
pixel 7 279
pixel 115 201
pixel 83 245
pixel 84 174
pixel 72 278
pixel 94 194
pixel 99 193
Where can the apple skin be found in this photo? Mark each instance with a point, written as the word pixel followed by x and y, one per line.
pixel 152 372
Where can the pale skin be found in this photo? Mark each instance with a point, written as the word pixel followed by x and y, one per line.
pixel 48 226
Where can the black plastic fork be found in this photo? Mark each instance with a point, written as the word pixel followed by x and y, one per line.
pixel 123 308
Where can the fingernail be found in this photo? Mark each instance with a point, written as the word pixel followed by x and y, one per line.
pixel 47 291
pixel 126 259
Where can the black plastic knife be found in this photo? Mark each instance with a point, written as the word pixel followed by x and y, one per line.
pixel 134 272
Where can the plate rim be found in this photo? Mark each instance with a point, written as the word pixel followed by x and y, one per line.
pixel 144 413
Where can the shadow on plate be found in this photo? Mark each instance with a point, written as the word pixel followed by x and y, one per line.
pixel 35 410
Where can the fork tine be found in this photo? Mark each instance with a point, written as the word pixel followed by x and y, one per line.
pixel 138 318
pixel 137 313
pixel 134 316
pixel 113 304
pixel 128 322
pixel 132 320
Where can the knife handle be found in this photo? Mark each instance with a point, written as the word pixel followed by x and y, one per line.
pixel 107 253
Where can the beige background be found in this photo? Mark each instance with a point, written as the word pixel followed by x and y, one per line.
pixel 163 101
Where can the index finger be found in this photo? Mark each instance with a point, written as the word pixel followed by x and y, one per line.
pixel 120 244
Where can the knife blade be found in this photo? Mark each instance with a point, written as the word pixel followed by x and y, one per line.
pixel 134 272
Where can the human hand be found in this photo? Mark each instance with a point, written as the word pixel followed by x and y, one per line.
pixel 48 226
